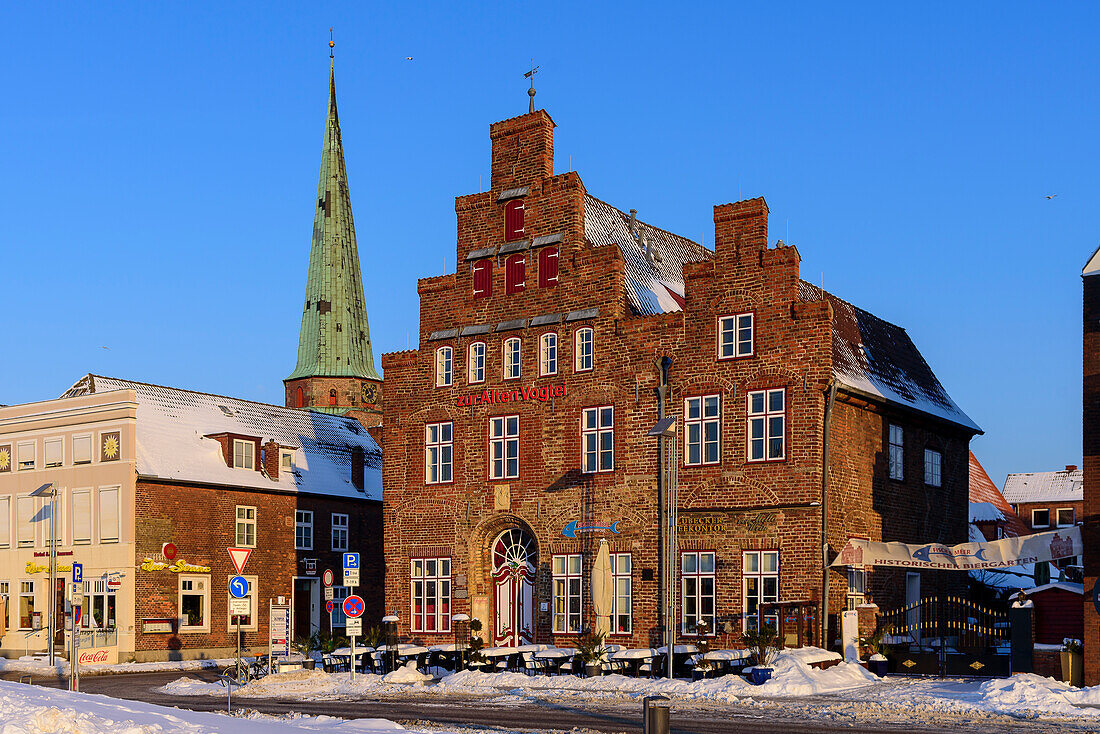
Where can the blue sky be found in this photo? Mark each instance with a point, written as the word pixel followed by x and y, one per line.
pixel 158 164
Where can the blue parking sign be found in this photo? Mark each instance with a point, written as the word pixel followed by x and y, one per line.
pixel 351 560
pixel 78 573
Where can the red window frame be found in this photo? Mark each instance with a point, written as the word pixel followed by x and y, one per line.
pixel 483 278
pixel 515 273
pixel 513 220
pixel 548 267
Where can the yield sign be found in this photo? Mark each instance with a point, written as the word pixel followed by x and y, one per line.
pixel 239 556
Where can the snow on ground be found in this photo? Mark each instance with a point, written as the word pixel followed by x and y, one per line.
pixel 40 665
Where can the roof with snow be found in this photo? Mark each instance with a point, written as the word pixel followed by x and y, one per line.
pixel 985 512
pixel 1063 585
pixel 172 425
pixel 1045 486
pixel 983 490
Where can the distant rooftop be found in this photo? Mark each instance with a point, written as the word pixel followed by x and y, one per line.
pixel 1067 485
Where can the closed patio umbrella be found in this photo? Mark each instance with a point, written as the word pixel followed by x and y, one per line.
pixel 602 588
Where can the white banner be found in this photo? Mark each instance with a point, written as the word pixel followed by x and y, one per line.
pixel 1063 543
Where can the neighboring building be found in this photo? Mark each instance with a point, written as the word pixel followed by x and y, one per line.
pixel 515 435
pixel 1046 500
pixel 1090 445
pixel 989 510
pixel 1058 612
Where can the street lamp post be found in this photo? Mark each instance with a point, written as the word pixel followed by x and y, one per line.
pixel 49 490
pixel 665 431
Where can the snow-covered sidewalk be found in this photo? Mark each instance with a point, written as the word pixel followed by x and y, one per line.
pixel 39 665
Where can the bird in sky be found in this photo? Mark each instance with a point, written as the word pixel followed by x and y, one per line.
pixel 107 348
pixel 408 58
pixel 1051 196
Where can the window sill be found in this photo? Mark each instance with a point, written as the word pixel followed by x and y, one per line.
pixel 194 631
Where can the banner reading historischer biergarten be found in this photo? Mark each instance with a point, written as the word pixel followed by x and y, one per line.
pixel 1062 543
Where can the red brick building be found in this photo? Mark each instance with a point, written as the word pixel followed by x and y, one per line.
pixel 1090 437
pixel 515 436
pixel 1046 500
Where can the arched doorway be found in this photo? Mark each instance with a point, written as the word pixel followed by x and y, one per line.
pixel 515 558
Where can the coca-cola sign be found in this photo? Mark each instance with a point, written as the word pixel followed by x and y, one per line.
pixel 89 657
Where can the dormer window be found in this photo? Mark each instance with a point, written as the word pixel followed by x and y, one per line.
pixel 286 460
pixel 244 453
pixel 515 273
pixel 483 278
pixel 513 220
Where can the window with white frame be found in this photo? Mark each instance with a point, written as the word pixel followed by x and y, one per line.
pixel 736 335
pixel 286 460
pixel 444 363
pixel 108 514
pixel 5 522
pixel 303 529
pixel 339 593
pixel 24 454
pixel 5 601
pixel 548 354
pixel 701 430
pixel 82 449
pixel 55 452
pixel 431 594
pixel 246 526
pixel 100 605
pixel 194 603
pixel 1065 517
pixel 585 345
pixel 1039 519
pixel 767 425
pixel 26 605
pixel 504 447
pixel 82 516
pixel 24 521
pixel 598 439
pixel 896 457
pixel 621 599
pixel 339 531
pixel 243 454
pixel 857 587
pixel 476 362
pixel 511 358
pixel 697 585
pixel 248 621
pixel 567 593
pixel 933 466
pixel 760 585
pixel 438 452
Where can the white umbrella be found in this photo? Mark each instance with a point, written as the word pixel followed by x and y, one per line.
pixel 602 590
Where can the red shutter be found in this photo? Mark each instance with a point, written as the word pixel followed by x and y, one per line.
pixel 483 278
pixel 515 274
pixel 548 267
pixel 513 220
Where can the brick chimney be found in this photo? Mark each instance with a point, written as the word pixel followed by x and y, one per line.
pixel 523 151
pixel 1071 467
pixel 741 228
pixel 271 459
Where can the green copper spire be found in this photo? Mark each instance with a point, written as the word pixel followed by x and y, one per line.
pixel 335 338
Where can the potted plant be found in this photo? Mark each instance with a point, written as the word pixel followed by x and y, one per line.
pixel 590 651
pixel 1073 661
pixel 474 659
pixel 702 667
pixel 875 646
pixel 763 646
pixel 372 637
pixel 304 646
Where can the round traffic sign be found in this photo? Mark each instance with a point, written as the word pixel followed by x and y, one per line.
pixel 326 577
pixel 238 587
pixel 353 606
pixel 328 606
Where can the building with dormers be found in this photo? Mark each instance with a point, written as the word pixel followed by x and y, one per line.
pixel 515 434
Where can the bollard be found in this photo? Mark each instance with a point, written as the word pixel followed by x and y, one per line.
pixel 655 715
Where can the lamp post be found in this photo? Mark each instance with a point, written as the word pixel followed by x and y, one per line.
pixel 49 490
pixel 665 431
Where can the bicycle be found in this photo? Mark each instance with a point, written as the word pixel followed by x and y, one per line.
pixel 238 674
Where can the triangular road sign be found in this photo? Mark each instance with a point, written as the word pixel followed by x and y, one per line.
pixel 239 556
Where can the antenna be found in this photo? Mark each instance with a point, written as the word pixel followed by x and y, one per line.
pixel 788 230
pixel 531 92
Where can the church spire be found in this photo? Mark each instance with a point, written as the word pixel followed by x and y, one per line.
pixel 335 339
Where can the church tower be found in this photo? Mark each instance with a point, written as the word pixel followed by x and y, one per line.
pixel 335 371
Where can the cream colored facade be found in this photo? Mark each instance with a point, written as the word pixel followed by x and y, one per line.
pixel 85 447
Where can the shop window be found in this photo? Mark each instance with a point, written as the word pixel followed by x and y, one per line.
pixel 5 522
pixel 303 529
pixel 438 452
pixel 100 605
pixel 767 425
pixel 476 362
pixel 82 449
pixel 897 452
pixel 933 466
pixel 24 522
pixel 5 601
pixel 26 605
pixel 701 430
pixel 444 362
pixel 483 278
pixel 567 593
pixel 339 531
pixel 515 273
pixel 598 439
pixel 25 455
pixel 431 594
pixel 697 590
pixel 504 447
pixel 194 603
pixel 548 354
pixel 760 585
pixel 108 514
pixel 1065 516
pixel 622 583
pixel 584 349
pixel 248 621
pixel 511 358
pixel 82 516
pixel 246 526
pixel 857 587
pixel 339 593
pixel 548 267
pixel 244 453
pixel 736 335
pixel 54 452
pixel 513 220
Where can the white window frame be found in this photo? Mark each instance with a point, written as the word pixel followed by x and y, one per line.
pixel 763 424
pixel 5 521
pixel 736 335
pixel 82 536
pixel 303 529
pixel 31 540
pixel 82 437
pixel 103 504
pixel 548 354
pixel 444 366
pixel 59 443
pixel 340 529
pixel 26 591
pixel 244 523
pixel 567 601
pixel 430 580
pixel 896 452
pixel 286 460
pixel 244 454
pixel 513 351
pixel 597 424
pixel 857 587
pixel 703 429
pixel 5 601
pixel 21 462
pixel 933 468
pixel 696 569
pixel 584 349
pixel 253 596
pixel 749 621
pixel 339 593
pixel 476 362
pixel 204 592
pixel 97 589
pixel 1058 517
pixel 504 446
pixel 622 594
pixel 1040 509
pixel 439 453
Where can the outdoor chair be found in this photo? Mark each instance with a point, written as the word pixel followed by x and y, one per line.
pixel 646 667
pixel 531 665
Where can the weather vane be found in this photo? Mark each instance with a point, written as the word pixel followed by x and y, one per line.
pixel 331 43
pixel 531 92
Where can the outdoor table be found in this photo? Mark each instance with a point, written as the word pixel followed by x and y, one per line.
pixel 555 656
pixel 634 658
pixel 496 654
pixel 445 656
pixel 721 660
pixel 406 652
pixel 680 655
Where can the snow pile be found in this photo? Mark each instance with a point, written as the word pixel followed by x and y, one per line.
pixel 792 677
pixel 1026 694
pixel 408 674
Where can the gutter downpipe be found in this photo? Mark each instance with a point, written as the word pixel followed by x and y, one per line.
pixel 663 365
pixel 826 431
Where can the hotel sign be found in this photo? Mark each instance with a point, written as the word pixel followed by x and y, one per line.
pixel 534 393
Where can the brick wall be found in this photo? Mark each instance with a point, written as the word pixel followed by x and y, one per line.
pixel 1091 452
pixel 361 395
pixel 1024 510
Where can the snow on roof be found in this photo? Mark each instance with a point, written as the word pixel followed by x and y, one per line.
pixel 1063 585
pixel 982 489
pixel 652 288
pixel 877 358
pixel 985 512
pixel 172 423
pixel 1045 486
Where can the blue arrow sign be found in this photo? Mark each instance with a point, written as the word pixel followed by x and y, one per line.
pixel 351 560
pixel 238 587
pixel 78 573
